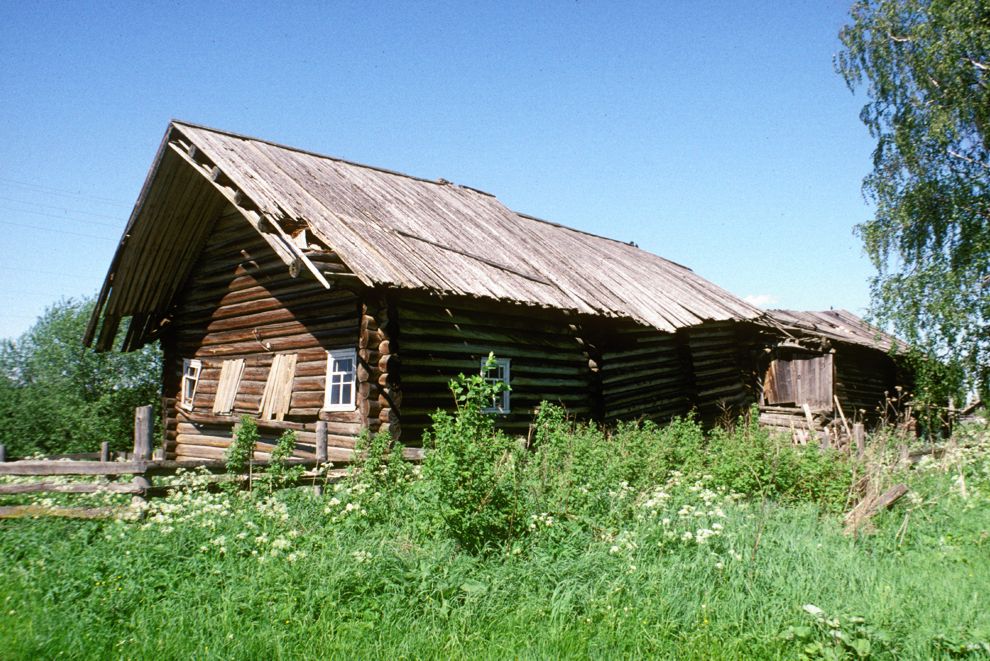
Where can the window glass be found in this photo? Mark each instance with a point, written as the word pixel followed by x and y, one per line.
pixel 340 380
pixel 190 379
pixel 498 373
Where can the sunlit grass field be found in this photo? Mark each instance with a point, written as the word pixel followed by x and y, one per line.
pixel 681 568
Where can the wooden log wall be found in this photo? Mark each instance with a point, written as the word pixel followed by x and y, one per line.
pixel 240 301
pixel 645 373
pixel 378 370
pixel 863 378
pixel 725 383
pixel 437 339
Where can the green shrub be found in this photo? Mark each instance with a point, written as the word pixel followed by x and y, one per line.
pixel 749 460
pixel 57 396
pixel 278 473
pixel 241 449
pixel 473 470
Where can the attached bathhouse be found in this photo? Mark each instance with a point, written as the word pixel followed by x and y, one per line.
pixel 295 287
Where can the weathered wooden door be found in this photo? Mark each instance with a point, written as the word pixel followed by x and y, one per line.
pixel 799 379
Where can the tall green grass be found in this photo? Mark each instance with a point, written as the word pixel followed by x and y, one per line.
pixel 602 565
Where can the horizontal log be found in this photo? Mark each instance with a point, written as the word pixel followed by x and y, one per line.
pixel 22 511
pixel 452 307
pixel 413 346
pixel 73 467
pixel 412 363
pixel 410 379
pixel 264 314
pixel 80 487
pixel 498 335
pixel 220 299
pixel 222 420
pixel 224 305
pixel 660 407
pixel 265 333
pixel 275 344
pixel 617 359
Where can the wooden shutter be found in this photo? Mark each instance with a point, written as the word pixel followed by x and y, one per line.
pixel 230 379
pixel 278 389
pixel 800 380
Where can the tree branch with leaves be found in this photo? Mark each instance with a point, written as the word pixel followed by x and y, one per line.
pixel 923 63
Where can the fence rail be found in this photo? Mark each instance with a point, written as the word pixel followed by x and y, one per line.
pixel 139 466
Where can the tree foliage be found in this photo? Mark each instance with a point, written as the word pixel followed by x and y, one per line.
pixel 926 66
pixel 57 396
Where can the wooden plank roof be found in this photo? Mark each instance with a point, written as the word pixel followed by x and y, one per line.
pixel 840 325
pixel 400 231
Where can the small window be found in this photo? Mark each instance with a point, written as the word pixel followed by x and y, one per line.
pixel 230 379
pixel 499 373
pixel 341 368
pixel 190 379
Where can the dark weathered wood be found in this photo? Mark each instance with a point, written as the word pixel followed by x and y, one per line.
pixel 105 451
pixel 870 507
pixel 142 485
pixel 22 511
pixel 859 434
pixel 812 426
pixel 321 441
pixel 143 432
pixel 3 453
pixel 73 468
pixel 79 487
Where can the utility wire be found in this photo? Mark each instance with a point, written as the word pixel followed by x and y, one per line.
pixel 41 272
pixel 119 225
pixel 62 191
pixel 55 230
pixel 58 208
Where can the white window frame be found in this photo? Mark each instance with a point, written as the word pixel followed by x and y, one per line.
pixel 503 365
pixel 191 369
pixel 333 356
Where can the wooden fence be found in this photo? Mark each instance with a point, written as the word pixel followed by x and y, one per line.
pixel 142 466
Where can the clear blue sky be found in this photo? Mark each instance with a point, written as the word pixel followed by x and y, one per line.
pixel 715 134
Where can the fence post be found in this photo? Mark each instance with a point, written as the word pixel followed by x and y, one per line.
pixel 321 441
pixel 144 484
pixel 859 433
pixel 143 430
pixel 3 453
pixel 105 451
pixel 321 452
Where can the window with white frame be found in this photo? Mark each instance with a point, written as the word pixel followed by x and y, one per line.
pixel 341 370
pixel 190 379
pixel 497 373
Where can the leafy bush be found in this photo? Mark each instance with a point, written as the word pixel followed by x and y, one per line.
pixel 473 469
pixel 574 467
pixel 57 396
pixel 751 461
pixel 278 473
pixel 241 449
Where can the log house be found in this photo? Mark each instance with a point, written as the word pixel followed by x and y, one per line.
pixel 295 287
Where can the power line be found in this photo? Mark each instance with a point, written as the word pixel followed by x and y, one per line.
pixel 41 272
pixel 7 293
pixel 62 191
pixel 58 217
pixel 55 230
pixel 58 208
